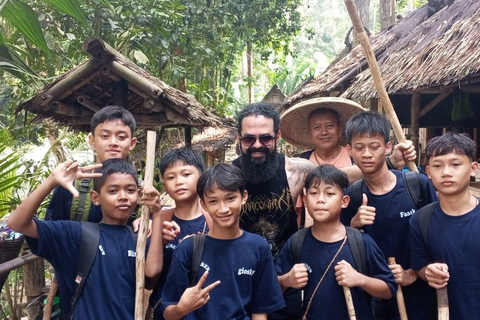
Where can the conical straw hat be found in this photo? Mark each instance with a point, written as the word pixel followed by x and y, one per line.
pixel 294 121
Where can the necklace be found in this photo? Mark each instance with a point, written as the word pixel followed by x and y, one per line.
pixel 323 276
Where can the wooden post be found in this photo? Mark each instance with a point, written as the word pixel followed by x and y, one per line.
pixel 188 136
pixel 400 300
pixel 349 300
pixel 442 304
pixel 415 119
pixel 142 232
pixel 376 75
pixel 34 279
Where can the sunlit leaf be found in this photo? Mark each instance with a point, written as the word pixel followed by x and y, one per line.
pixel 70 7
pixel 25 20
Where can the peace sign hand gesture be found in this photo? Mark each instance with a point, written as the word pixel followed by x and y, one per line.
pixel 196 297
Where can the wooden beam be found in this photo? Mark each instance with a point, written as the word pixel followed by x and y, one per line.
pixel 88 103
pixel 415 119
pixel 129 75
pixel 71 79
pixel 120 93
pixel 69 110
pixel 78 85
pixel 433 103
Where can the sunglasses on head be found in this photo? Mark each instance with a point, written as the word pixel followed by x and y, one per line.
pixel 264 139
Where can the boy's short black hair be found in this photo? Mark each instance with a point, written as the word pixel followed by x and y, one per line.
pixel 183 155
pixel 224 176
pixel 451 143
pixel 259 109
pixel 327 174
pixel 367 124
pixel 113 113
pixel 112 166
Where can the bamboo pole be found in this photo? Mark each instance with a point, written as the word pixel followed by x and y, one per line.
pixel 400 300
pixel 142 232
pixel 442 304
pixel 349 300
pixel 47 309
pixel 376 75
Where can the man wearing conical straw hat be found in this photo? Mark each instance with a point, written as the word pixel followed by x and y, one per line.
pixel 318 124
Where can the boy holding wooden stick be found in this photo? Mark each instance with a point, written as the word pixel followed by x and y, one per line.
pixel 327 255
pixel 385 210
pixel 444 236
pixel 109 288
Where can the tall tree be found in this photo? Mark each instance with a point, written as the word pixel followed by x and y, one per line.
pixel 387 13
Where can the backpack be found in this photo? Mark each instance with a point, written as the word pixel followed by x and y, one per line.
pixel 413 185
pixel 424 216
pixel 81 205
pixel 88 250
pixel 197 253
pixel 355 241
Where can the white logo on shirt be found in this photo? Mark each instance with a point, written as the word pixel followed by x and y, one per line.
pixel 248 272
pixel 205 266
pixel 101 249
pixel 406 214
pixel 170 246
pixel 132 253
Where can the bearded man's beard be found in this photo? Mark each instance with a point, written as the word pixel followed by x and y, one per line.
pixel 258 171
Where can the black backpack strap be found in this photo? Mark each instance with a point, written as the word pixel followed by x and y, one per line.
pixel 357 247
pixel 88 250
pixel 424 216
pixel 197 253
pixel 83 191
pixel 414 188
pixel 296 245
pixel 356 195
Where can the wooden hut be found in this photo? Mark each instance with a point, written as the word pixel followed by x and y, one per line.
pixel 275 97
pixel 429 63
pixel 214 142
pixel 109 78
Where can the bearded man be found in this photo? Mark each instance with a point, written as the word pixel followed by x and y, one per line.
pixel 275 180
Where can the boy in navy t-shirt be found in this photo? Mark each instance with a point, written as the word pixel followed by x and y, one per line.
pixel 180 169
pixel 448 257
pixel 109 291
pixel 326 258
pixel 241 282
pixel 385 212
pixel 111 136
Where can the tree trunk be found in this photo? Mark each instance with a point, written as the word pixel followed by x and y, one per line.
pixel 250 71
pixel 363 7
pixel 364 10
pixel 387 13
pixel 34 278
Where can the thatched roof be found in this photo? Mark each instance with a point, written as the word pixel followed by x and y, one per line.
pixel 215 139
pixel 418 54
pixel 275 97
pixel 73 97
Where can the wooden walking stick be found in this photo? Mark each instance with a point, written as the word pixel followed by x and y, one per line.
pixel 442 304
pixel 400 300
pixel 349 300
pixel 142 232
pixel 47 309
pixel 376 75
